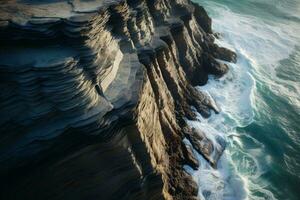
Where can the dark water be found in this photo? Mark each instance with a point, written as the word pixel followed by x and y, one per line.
pixel 260 101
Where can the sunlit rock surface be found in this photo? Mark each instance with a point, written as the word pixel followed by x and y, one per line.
pixel 94 96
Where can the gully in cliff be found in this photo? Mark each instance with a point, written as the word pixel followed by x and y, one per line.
pixel 94 96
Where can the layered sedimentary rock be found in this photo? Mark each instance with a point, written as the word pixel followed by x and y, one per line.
pixel 94 97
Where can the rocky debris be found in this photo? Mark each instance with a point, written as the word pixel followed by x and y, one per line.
pixel 213 66
pixel 94 96
pixel 191 160
pixel 210 150
pixel 217 35
pixel 223 53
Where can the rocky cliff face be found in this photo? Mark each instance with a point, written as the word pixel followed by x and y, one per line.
pixel 94 97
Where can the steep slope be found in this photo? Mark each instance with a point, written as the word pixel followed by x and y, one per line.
pixel 94 96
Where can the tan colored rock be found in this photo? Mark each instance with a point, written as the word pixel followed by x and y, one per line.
pixel 94 96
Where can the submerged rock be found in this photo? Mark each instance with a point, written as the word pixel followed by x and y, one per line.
pixel 94 95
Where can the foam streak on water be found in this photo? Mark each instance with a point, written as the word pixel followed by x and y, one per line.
pixel 232 94
pixel 260 44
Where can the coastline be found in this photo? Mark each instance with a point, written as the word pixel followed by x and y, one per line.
pixel 97 98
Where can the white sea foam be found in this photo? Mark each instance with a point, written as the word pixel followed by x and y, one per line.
pixel 232 94
pixel 264 43
pixel 257 43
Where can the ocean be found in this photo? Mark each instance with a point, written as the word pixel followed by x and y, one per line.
pixel 260 102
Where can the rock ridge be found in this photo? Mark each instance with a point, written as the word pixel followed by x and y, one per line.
pixel 95 96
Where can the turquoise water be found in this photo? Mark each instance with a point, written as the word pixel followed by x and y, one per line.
pixel 260 102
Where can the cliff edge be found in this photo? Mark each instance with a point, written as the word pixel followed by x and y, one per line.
pixel 95 94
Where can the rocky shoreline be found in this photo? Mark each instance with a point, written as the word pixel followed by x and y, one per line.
pixel 94 97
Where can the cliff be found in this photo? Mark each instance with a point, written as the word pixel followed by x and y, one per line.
pixel 95 94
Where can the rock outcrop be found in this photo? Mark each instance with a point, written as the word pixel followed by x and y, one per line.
pixel 94 96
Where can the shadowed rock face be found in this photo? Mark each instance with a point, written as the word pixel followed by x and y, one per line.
pixel 94 95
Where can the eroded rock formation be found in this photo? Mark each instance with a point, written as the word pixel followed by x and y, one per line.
pixel 94 96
